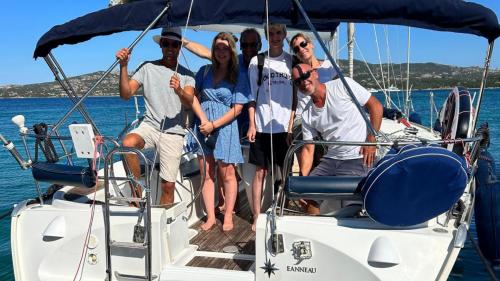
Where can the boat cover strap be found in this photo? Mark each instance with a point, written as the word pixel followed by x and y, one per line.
pixel 322 187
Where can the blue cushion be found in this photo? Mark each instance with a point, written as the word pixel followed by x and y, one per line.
pixel 64 174
pixel 322 187
pixel 413 185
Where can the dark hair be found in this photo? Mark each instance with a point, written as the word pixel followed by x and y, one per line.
pixel 252 30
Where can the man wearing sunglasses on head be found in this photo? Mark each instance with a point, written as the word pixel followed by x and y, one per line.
pixel 332 113
pixel 165 94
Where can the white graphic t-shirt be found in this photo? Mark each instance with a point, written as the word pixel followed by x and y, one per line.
pixel 274 103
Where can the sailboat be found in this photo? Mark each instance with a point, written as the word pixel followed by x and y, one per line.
pixel 408 227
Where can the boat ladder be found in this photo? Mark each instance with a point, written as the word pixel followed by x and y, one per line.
pixel 141 240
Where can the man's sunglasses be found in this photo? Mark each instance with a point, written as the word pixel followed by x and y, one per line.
pixel 302 77
pixel 173 44
pixel 302 45
pixel 249 45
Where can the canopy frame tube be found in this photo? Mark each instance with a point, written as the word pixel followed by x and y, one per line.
pixel 105 74
pixel 56 69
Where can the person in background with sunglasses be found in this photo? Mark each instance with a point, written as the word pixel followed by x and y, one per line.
pixel 270 114
pixel 332 114
pixel 222 91
pixel 303 49
pixel 165 93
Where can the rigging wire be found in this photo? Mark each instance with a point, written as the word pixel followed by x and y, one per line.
pixel 371 73
pixel 384 89
pixel 98 144
pixel 390 65
pixel 270 100
pixel 158 148
pixel 184 30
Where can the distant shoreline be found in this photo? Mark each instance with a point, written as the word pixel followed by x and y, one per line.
pixel 118 96
pixel 58 97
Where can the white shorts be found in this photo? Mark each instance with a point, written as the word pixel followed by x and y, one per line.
pixel 170 148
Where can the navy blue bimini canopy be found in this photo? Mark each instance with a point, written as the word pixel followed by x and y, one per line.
pixel 446 15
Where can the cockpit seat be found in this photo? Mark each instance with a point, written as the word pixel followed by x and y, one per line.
pixel 409 186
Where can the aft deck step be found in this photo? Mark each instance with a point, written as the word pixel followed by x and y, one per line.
pixel 128 245
pixel 221 263
pixel 128 277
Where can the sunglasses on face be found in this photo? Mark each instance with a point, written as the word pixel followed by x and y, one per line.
pixel 248 45
pixel 173 44
pixel 302 45
pixel 304 76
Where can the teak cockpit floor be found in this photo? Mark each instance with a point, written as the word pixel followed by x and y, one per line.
pixel 241 238
pixel 214 240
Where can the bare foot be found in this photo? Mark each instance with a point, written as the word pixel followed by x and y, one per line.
pixel 207 225
pixel 254 226
pixel 227 226
pixel 228 222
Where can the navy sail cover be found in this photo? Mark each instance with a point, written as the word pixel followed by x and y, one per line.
pixel 445 15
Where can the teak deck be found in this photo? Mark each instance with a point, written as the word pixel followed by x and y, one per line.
pixel 215 240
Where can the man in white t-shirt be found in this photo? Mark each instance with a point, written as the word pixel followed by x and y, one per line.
pixel 333 115
pixel 270 115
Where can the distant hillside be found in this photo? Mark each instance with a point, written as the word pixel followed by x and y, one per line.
pixel 422 76
pixel 108 87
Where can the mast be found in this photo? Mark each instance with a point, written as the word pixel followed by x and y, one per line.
pixel 350 48
pixel 407 95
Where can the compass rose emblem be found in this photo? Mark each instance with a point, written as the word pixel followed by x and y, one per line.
pixel 269 268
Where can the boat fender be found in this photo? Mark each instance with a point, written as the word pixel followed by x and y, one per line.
pixel 456 118
pixel 63 174
pixel 487 207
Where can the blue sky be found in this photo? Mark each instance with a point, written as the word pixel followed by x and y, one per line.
pixel 24 22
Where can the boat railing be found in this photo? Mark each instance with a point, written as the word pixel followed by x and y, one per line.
pixel 142 234
pixel 296 145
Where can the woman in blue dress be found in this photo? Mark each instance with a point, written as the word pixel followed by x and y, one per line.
pixel 221 94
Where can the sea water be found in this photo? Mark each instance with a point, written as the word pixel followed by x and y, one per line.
pixel 111 114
